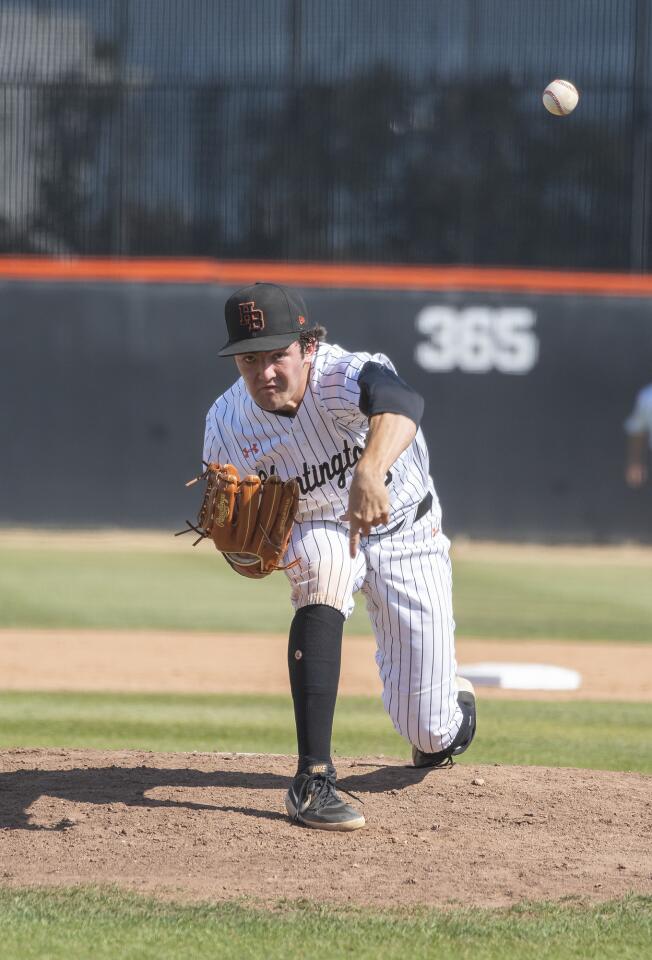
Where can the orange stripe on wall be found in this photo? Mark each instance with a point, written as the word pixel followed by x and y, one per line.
pixel 360 276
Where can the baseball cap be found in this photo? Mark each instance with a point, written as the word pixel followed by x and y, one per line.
pixel 263 316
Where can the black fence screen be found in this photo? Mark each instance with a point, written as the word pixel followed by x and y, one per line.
pixel 368 130
pixel 526 397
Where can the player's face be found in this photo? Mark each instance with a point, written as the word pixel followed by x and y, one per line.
pixel 276 379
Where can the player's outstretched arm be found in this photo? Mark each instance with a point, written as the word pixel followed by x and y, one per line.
pixel 389 435
pixel 636 466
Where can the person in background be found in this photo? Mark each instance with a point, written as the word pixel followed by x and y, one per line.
pixel 638 427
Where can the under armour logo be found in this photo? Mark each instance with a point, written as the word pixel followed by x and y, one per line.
pixel 249 450
pixel 250 317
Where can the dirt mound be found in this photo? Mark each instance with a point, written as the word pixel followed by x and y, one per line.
pixel 213 826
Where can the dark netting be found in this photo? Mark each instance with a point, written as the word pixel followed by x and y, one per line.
pixel 367 130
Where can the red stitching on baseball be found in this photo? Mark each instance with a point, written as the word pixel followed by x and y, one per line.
pixel 554 97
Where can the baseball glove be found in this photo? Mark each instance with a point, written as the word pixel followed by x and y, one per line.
pixel 248 520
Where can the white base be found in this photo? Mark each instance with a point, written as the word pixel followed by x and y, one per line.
pixel 521 676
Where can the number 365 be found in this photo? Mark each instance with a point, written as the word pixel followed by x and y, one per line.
pixel 477 339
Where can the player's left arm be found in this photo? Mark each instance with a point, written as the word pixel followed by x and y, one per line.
pixel 394 410
pixel 636 465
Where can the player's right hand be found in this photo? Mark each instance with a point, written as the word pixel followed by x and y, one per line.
pixel 368 505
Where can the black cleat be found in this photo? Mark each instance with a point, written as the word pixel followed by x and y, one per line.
pixel 313 800
pixel 466 733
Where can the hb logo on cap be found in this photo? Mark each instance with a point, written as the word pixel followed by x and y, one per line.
pixel 250 317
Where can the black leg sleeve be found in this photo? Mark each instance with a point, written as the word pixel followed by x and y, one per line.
pixel 314 657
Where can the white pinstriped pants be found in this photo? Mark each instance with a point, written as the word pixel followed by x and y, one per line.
pixel 406 579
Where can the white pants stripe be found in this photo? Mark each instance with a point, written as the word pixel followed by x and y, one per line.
pixel 407 584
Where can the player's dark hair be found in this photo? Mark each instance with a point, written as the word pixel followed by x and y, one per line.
pixel 316 335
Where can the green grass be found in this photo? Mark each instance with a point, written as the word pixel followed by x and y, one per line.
pixel 75 924
pixel 608 736
pixel 554 600
pixel 197 591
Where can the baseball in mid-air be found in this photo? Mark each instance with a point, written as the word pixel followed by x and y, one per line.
pixel 560 97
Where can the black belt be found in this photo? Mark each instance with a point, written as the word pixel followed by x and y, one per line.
pixel 423 507
pixel 422 510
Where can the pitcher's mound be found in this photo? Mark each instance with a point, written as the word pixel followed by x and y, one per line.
pixel 213 826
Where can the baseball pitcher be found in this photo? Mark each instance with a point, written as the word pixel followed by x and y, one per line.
pixel 315 464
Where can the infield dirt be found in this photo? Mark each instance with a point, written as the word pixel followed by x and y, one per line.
pixel 149 661
pixel 213 826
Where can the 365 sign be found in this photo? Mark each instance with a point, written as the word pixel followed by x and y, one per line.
pixel 477 339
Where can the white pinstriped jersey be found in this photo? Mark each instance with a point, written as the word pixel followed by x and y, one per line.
pixel 320 444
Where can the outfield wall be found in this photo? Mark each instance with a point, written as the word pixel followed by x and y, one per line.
pixel 105 385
